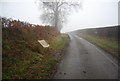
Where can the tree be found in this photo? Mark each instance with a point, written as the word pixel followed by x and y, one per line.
pixel 55 12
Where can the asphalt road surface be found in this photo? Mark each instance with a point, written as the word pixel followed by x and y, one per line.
pixel 84 60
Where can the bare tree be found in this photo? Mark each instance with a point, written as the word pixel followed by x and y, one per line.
pixel 55 12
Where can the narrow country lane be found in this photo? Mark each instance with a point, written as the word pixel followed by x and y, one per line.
pixel 84 60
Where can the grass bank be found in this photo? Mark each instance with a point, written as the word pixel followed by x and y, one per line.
pixel 30 61
pixel 107 44
pixel 59 42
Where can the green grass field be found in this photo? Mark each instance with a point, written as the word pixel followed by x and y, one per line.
pixel 107 44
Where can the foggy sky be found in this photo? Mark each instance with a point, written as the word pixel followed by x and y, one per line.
pixel 94 13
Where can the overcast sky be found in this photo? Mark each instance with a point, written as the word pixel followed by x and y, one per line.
pixel 94 13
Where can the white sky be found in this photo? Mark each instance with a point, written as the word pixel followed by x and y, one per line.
pixel 95 13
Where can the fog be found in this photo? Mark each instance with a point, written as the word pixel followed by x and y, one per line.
pixel 94 13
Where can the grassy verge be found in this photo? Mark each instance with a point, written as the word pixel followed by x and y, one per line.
pixel 31 61
pixel 59 42
pixel 108 45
